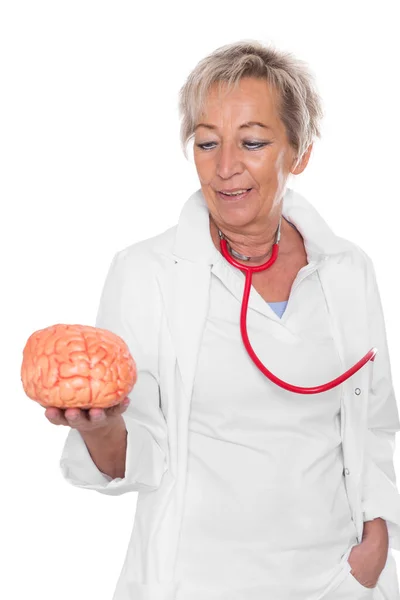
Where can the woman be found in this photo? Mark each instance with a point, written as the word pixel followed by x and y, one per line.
pixel 246 490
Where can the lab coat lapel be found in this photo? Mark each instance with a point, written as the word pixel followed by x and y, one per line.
pixel 185 293
pixel 185 286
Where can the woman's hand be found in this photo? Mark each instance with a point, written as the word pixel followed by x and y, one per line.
pixel 368 558
pixel 87 420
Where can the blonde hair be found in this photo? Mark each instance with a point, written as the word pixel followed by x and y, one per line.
pixel 299 107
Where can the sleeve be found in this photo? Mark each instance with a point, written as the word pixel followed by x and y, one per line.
pixel 380 495
pixel 132 316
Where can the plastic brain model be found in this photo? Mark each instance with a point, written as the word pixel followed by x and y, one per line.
pixel 71 366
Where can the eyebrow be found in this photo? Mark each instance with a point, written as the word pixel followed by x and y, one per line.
pixel 243 126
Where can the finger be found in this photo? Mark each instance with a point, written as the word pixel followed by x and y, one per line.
pixel 119 408
pixel 55 416
pixel 75 417
pixel 96 415
pixel 124 404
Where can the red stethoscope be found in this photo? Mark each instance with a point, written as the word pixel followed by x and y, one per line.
pixel 243 316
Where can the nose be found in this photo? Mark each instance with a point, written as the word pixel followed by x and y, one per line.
pixel 228 161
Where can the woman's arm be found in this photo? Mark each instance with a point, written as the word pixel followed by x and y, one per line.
pixel 108 448
pixel 131 308
pixel 375 530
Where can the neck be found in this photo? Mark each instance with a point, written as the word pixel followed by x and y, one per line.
pixel 257 246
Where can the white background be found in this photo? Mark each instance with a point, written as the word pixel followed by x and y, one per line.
pixel 91 162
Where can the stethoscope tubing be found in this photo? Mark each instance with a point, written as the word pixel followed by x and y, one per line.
pixel 243 328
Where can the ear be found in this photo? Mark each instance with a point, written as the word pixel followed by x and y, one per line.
pixel 299 168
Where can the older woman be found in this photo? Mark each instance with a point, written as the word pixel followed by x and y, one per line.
pixel 248 491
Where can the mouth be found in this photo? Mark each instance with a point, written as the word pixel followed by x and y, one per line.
pixel 234 196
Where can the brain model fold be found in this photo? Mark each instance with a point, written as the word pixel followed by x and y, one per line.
pixel 77 366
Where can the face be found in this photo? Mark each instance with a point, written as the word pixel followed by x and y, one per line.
pixel 232 152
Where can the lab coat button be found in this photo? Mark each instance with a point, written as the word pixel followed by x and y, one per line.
pixel 357 391
pixel 346 471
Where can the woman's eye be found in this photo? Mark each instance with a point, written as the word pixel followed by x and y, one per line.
pixel 255 145
pixel 205 146
pixel 246 144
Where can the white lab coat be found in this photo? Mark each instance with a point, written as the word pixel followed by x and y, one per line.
pixel 156 298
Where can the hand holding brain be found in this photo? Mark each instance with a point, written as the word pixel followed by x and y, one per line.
pixel 77 366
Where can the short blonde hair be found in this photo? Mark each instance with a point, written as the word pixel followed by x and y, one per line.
pixel 300 106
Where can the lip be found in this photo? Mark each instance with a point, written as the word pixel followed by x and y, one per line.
pixel 234 198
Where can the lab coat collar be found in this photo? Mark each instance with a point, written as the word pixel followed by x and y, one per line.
pixel 193 240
